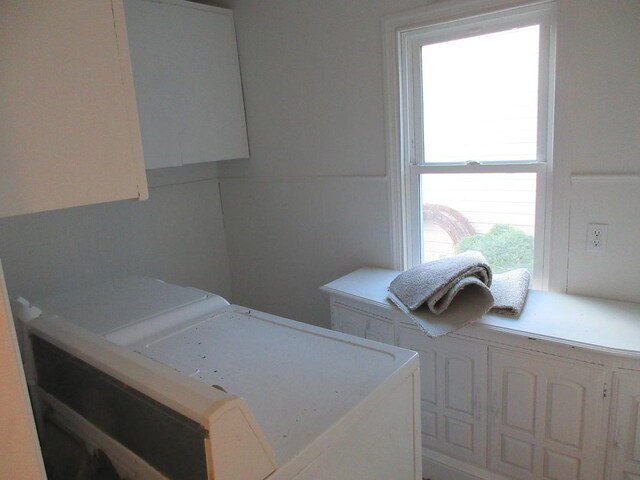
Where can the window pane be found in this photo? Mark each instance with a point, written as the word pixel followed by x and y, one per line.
pixel 490 212
pixel 480 97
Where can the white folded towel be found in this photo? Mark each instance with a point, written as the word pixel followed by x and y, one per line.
pixel 436 283
pixel 509 291
pixel 465 277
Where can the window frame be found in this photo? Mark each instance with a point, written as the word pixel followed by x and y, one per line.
pixel 404 36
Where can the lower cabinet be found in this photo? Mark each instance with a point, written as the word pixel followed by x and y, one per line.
pixel 496 410
pixel 364 324
pixel 625 428
pixel 453 383
pixel 545 415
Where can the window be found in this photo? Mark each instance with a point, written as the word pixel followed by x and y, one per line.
pixel 470 137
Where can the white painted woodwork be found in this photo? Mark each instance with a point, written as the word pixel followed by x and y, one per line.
pixel 69 130
pixel 548 373
pixel 405 34
pixel 559 318
pixel 453 378
pixel 545 415
pixel 364 325
pixel 624 442
pixel 613 200
pixel 19 448
pixel 187 78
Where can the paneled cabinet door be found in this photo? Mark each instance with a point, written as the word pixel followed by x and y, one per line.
pixel 187 79
pixel 625 428
pixel 69 131
pixel 546 417
pixel 361 324
pixel 453 383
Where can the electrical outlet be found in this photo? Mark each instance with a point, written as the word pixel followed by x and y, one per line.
pixel 597 236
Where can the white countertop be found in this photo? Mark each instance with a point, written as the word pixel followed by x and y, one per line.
pixel 598 324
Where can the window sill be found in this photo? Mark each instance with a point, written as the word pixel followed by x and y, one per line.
pixel 594 324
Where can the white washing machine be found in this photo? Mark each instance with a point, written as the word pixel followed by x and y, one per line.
pixel 173 382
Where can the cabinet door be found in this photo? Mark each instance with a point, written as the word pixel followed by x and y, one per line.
pixel 69 131
pixel 546 417
pixel 362 324
pixel 350 322
pixel 187 78
pixel 625 428
pixel 453 388
pixel 19 449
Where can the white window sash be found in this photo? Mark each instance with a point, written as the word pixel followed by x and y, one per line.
pixel 415 222
pixel 404 37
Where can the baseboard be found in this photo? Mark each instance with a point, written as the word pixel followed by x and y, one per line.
pixel 436 466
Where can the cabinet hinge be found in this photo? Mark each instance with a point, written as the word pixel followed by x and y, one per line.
pixel 604 391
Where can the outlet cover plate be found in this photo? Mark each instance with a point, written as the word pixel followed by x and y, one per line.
pixel 597 234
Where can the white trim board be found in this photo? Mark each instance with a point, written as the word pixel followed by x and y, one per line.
pixel 612 272
pixel 399 138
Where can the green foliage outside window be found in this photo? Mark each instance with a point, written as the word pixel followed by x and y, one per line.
pixel 504 247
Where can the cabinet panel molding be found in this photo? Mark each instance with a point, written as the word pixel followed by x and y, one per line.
pixel 428 373
pixel 380 331
pixel 453 391
pixel 459 383
pixel 429 424
pixel 565 410
pixel 458 433
pixel 625 431
pixel 551 405
pixel 560 467
pixel 518 393
pixel 557 397
pixel 69 132
pixel 187 78
pixel 516 453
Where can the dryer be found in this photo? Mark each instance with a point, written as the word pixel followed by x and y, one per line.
pixel 174 382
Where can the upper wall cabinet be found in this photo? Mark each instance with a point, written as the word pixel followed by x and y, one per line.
pixel 69 131
pixel 187 79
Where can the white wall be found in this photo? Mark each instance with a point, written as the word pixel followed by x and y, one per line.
pixel 311 204
pixel 177 235
pixel 597 112
pixel 312 74
pixel 287 237
pixel 612 271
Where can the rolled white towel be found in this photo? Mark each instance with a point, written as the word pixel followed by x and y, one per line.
pixel 437 283
pixel 426 293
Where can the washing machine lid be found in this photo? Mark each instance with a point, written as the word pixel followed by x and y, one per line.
pixel 112 306
pixel 300 381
